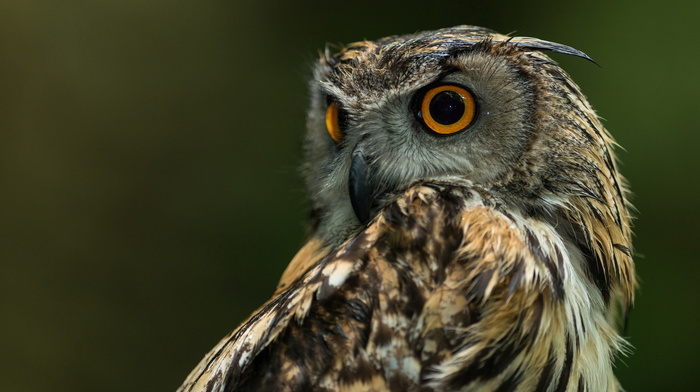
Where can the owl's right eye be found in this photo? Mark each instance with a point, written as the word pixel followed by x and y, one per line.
pixel 447 109
pixel 334 121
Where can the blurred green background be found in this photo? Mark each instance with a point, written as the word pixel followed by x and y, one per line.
pixel 149 192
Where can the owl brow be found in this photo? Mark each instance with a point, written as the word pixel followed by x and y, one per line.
pixel 446 71
pixel 539 44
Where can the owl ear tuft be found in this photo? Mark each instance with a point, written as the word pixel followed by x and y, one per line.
pixel 539 44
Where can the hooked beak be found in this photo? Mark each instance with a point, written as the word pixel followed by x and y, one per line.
pixel 360 187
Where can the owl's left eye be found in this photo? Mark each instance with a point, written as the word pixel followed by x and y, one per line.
pixel 335 119
pixel 447 109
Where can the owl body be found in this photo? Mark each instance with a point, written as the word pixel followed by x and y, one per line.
pixel 469 230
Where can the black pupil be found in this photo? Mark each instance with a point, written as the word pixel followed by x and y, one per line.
pixel 447 107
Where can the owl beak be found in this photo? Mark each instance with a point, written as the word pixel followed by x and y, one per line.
pixel 360 187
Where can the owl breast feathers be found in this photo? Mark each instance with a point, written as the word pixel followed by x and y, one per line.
pixel 469 230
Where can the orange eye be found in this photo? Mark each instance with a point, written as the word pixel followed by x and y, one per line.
pixel 447 109
pixel 333 122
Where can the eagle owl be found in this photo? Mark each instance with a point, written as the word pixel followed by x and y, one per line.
pixel 469 230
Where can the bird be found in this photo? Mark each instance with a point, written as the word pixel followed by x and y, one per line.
pixel 469 229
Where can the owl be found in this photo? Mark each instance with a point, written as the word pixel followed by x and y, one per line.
pixel 469 230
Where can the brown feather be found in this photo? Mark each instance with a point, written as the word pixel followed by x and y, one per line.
pixel 465 302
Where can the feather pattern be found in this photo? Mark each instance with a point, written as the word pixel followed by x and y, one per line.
pixel 445 290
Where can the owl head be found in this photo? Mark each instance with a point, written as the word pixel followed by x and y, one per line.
pixel 463 105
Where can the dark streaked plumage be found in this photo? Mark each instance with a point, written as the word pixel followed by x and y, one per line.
pixel 494 258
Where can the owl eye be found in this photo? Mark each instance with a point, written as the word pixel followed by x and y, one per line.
pixel 334 120
pixel 447 109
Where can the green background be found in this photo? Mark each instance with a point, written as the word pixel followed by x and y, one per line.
pixel 149 191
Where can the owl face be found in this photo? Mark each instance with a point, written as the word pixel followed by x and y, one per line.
pixel 460 104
